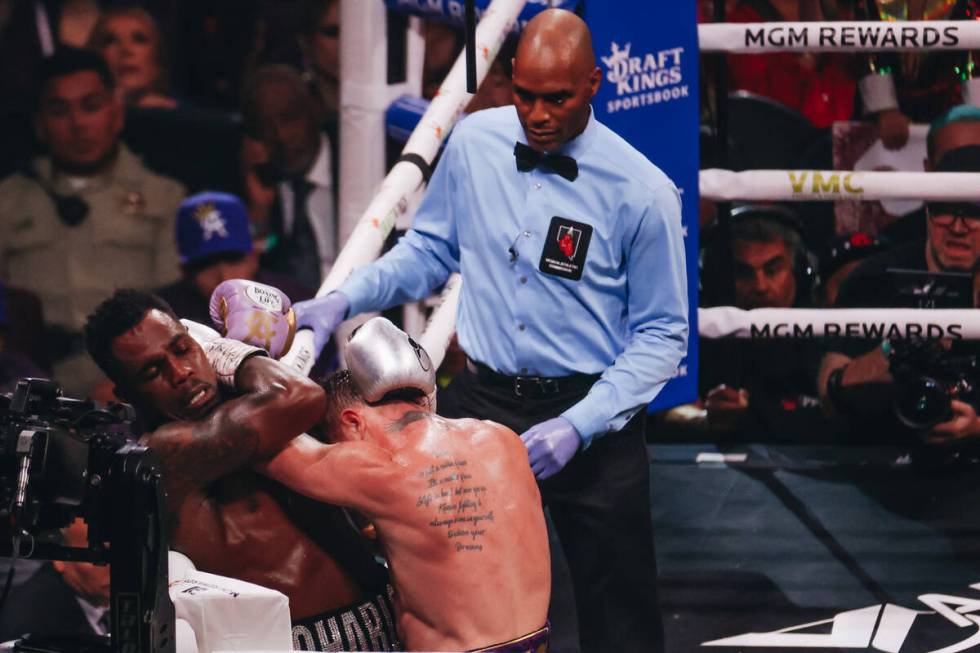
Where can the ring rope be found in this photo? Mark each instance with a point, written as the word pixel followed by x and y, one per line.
pixel 839 36
pixel 822 185
pixel 377 221
pixel 877 323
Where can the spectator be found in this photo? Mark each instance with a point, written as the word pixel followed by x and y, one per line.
pixel 904 87
pixel 841 256
pixel 819 86
pixel 215 245
pixel 761 388
pixel 22 330
pixel 15 362
pixel 130 41
pixel 62 599
pixel 320 44
pixel 86 217
pixel 443 44
pixel 288 176
pixel 855 378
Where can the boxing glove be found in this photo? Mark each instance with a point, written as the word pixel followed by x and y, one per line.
pixel 254 313
pixel 382 358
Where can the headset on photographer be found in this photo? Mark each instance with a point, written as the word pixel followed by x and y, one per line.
pixel 713 278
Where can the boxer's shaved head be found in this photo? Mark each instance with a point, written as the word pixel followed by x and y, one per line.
pixel 555 79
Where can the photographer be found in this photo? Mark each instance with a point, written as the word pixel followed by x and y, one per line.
pixel 63 598
pixel 855 378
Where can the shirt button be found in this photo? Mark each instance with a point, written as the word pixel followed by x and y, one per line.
pixel 523 279
pixel 537 185
pixel 521 327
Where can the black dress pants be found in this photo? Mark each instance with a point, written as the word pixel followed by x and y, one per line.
pixel 600 506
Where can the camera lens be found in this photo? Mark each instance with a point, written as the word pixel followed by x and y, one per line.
pixel 922 402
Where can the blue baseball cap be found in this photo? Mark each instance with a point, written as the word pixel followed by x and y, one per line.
pixel 212 223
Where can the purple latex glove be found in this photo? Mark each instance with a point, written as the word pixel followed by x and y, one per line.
pixel 323 315
pixel 550 445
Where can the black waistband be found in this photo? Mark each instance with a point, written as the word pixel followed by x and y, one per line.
pixel 366 626
pixel 532 386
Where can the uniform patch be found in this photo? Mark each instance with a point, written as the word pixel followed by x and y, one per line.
pixel 565 248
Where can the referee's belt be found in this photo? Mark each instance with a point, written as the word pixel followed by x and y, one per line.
pixel 532 386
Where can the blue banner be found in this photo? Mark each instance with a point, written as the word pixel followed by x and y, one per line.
pixel 648 52
pixel 454 11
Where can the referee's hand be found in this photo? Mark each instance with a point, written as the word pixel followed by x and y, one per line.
pixel 550 445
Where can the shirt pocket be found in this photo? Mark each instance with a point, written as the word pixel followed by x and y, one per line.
pixel 125 248
pixel 32 242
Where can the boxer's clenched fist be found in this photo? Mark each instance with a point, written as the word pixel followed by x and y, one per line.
pixel 254 313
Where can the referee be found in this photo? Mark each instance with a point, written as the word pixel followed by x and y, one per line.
pixel 573 310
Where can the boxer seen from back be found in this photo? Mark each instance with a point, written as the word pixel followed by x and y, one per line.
pixel 454 502
pixel 212 411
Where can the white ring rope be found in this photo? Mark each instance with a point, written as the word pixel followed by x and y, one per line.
pixel 811 185
pixel 876 323
pixel 840 36
pixel 377 221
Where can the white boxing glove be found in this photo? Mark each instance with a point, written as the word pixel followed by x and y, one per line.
pixel 382 358
pixel 224 354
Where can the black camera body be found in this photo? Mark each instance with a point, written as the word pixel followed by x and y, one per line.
pixel 928 376
pixel 54 452
pixel 63 458
pixel 927 379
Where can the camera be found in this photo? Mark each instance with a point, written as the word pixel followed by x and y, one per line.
pixel 927 379
pixel 928 376
pixel 62 458
pixel 54 451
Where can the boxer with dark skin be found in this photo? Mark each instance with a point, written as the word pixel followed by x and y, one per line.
pixel 227 519
pixel 456 508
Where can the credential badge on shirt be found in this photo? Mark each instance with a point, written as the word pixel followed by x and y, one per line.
pixel 565 248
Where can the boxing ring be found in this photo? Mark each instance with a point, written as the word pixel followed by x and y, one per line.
pixel 821 545
pixel 795 546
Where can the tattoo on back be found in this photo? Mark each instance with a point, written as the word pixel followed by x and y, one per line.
pixel 456 504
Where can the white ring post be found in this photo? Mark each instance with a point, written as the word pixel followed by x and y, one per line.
pixel 367 238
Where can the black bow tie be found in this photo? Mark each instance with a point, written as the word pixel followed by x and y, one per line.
pixel 527 158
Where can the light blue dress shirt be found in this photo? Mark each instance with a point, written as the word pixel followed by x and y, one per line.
pixel 626 318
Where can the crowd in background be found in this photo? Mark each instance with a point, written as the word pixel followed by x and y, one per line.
pixel 171 145
pixel 168 146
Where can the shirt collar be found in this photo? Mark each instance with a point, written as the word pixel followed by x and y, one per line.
pixel 575 148
pixel 93 613
pixel 578 146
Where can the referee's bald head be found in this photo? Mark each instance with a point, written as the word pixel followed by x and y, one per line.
pixel 555 78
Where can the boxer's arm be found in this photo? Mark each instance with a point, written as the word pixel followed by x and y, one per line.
pixel 356 475
pixel 277 405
